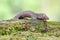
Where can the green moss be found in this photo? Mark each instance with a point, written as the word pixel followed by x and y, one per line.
pixel 14 31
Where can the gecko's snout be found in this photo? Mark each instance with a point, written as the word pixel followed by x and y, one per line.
pixel 45 17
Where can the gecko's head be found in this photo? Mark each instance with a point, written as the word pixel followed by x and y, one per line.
pixel 45 17
pixel 42 16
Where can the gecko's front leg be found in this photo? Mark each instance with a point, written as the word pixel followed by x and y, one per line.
pixel 45 26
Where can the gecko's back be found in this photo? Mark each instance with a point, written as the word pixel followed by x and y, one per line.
pixel 24 14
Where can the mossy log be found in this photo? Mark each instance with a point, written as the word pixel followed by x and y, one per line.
pixel 12 30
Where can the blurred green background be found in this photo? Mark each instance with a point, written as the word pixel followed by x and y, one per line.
pixel 10 8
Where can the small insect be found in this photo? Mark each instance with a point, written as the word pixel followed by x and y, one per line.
pixel 24 26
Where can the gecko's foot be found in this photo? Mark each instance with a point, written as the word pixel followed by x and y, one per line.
pixel 44 30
